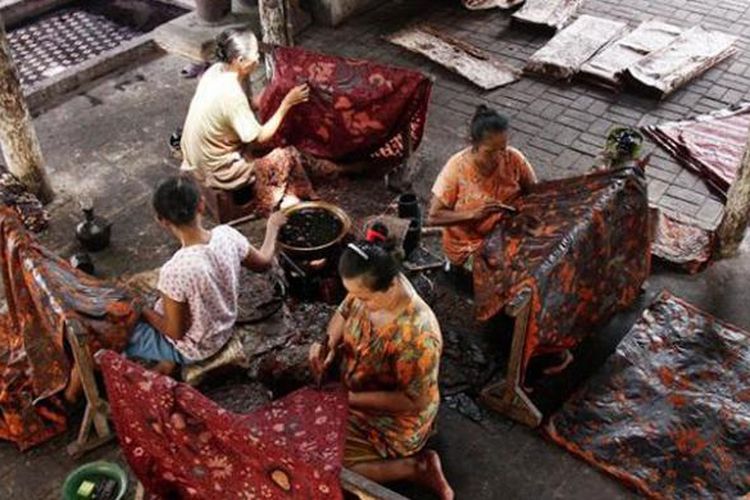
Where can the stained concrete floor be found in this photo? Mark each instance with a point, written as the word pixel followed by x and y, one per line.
pixel 109 142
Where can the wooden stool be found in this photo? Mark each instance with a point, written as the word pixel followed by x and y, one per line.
pixel 225 205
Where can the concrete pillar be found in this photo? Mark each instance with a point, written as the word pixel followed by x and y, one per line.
pixel 731 231
pixel 18 139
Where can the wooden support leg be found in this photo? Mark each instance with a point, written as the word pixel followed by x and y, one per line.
pixel 508 397
pixel 366 489
pixel 97 409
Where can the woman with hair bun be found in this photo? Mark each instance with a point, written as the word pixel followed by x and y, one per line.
pixel 221 135
pixel 388 343
pixel 469 194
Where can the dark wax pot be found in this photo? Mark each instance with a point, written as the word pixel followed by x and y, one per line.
pixel 311 228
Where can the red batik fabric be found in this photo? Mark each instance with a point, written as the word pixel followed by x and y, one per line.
pixel 358 110
pixel 669 412
pixel 711 145
pixel 579 245
pixel 44 295
pixel 180 444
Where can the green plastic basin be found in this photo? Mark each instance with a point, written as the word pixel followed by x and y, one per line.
pixel 92 471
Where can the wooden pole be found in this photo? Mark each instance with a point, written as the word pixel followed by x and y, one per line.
pixel 731 231
pixel 273 22
pixel 18 139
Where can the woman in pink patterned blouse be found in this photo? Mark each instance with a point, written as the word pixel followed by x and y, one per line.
pixel 193 319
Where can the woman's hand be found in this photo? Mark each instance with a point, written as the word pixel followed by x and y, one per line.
pixel 298 95
pixel 276 221
pixel 321 358
pixel 489 208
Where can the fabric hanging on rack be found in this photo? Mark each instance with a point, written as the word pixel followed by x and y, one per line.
pixel 358 110
pixel 180 444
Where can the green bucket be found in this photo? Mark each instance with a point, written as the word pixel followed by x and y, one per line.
pixel 91 472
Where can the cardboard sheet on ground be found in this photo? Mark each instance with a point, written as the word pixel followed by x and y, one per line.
pixel 606 67
pixel 563 56
pixel 45 295
pixel 711 145
pixel 180 444
pixel 669 412
pixel 490 4
pixel 548 13
pixel 580 245
pixel 358 110
pixel 480 68
pixel 688 56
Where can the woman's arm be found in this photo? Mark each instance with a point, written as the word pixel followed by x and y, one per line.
pixel 174 323
pixel 295 96
pixel 442 215
pixel 386 401
pixel 261 260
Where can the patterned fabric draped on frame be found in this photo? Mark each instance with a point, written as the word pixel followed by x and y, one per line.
pixel 45 295
pixel 358 110
pixel 180 444
pixel 581 245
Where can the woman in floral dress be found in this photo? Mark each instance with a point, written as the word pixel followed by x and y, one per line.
pixel 388 342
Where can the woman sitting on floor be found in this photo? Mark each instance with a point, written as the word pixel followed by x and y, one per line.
pixel 199 284
pixel 389 343
pixel 221 135
pixel 470 192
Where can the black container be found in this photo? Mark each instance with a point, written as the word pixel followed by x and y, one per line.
pixel 82 261
pixel 213 10
pixel 413 236
pixel 93 232
pixel 408 207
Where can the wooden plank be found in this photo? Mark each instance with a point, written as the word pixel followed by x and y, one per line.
pixel 366 489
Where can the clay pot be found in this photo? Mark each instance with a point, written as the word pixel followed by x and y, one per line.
pixel 213 11
pixel 408 207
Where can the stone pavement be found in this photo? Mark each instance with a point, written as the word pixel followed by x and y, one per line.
pixel 562 127
pixel 109 142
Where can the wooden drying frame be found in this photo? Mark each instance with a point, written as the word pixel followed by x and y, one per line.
pixel 508 397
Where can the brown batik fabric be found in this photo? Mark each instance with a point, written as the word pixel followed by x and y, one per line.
pixel 44 294
pixel 669 412
pixel 580 245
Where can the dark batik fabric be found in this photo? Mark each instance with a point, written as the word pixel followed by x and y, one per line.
pixel 358 110
pixel 44 294
pixel 669 412
pixel 581 245
pixel 181 444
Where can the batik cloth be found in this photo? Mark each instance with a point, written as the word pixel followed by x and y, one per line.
pixel 461 187
pixel 669 412
pixel 28 207
pixel 358 110
pixel 45 295
pixel 581 246
pixel 181 444
pixel 402 355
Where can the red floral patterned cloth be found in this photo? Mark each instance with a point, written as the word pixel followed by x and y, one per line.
pixel 180 444
pixel 44 294
pixel 358 110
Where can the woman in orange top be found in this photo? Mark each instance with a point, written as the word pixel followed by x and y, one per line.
pixel 470 192
pixel 389 343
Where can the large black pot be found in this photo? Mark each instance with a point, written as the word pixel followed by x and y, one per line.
pixel 213 10
pixel 328 250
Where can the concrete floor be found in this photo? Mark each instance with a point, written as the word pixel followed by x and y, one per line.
pixel 109 142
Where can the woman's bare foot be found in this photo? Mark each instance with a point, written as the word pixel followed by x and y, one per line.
pixel 567 358
pixel 432 475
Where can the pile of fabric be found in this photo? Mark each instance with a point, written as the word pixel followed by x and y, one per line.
pixel 358 110
pixel 711 145
pixel 180 444
pixel 13 194
pixel 669 412
pixel 45 296
pixel 579 245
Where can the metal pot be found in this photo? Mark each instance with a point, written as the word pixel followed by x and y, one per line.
pixel 323 251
